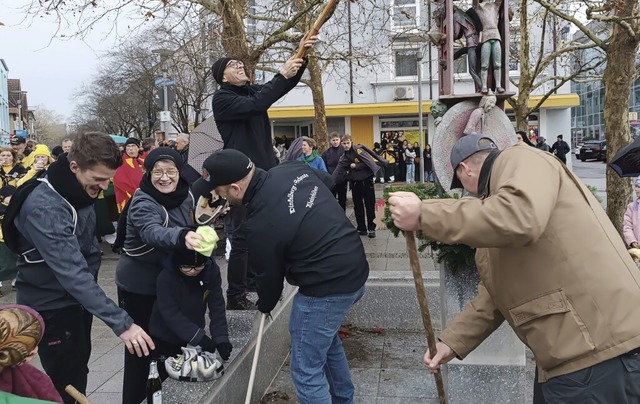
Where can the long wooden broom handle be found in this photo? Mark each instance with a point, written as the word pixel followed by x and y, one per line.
pixel 322 18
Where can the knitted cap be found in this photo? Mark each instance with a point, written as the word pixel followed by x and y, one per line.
pixel 217 70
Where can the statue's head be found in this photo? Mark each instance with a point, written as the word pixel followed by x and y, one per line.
pixel 488 102
pixel 438 109
pixel 21 329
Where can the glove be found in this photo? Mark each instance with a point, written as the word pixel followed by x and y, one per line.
pixel 224 350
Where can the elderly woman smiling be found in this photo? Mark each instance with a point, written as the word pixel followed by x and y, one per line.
pixel 158 221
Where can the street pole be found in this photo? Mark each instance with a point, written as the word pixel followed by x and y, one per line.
pixel 165 103
pixel 420 129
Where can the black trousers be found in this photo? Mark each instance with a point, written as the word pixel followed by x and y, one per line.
pixel 340 191
pixel 616 380
pixel 136 369
pixel 65 348
pixel 364 199
pixel 239 274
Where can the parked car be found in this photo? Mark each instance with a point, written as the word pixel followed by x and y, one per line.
pixel 576 150
pixel 603 154
pixel 592 150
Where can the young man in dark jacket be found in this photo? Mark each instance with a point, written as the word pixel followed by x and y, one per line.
pixel 560 148
pixel 331 158
pixel 313 245
pixel 240 111
pixel 358 165
pixel 58 270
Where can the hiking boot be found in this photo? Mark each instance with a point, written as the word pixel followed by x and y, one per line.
pixel 240 303
pixel 372 234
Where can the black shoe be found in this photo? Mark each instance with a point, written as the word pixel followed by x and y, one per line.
pixel 372 234
pixel 240 303
pixel 362 232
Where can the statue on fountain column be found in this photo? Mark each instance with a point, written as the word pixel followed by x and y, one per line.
pixel 491 49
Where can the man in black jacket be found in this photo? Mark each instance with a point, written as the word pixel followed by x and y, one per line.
pixel 240 111
pixel 560 148
pixel 298 231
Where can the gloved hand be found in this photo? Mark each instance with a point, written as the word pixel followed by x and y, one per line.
pixel 224 349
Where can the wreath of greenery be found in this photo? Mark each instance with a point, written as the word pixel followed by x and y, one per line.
pixel 456 257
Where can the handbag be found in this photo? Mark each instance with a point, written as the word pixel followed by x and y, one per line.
pixel 194 365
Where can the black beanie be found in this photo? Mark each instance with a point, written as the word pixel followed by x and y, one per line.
pixel 188 257
pixel 162 153
pixel 132 140
pixel 217 70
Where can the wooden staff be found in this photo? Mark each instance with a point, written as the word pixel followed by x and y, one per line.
pixel 322 18
pixel 76 395
pixel 424 307
pixel 256 354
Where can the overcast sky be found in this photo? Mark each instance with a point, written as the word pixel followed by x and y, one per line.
pixel 50 70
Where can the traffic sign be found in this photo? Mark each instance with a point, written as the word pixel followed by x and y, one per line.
pixel 159 97
pixel 168 82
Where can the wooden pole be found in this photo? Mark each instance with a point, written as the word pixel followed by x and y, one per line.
pixel 76 395
pixel 424 307
pixel 256 354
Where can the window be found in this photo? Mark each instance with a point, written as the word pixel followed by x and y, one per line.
pixel 406 63
pixel 405 15
pixel 250 22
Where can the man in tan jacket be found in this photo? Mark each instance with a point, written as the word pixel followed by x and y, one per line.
pixel 551 264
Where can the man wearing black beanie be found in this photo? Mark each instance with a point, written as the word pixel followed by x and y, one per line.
pixel 240 111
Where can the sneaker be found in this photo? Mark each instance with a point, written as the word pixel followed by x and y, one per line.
pixel 362 232
pixel 240 303
pixel 382 181
pixel 372 234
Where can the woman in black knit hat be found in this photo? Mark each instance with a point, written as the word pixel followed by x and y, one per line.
pixel 159 220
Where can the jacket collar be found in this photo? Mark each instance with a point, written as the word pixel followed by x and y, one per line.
pixel 259 176
pixel 236 89
pixel 485 174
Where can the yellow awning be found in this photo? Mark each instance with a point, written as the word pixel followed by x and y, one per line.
pixel 402 107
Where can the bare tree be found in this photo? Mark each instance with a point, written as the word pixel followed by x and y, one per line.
pixel 547 64
pixel 48 125
pixel 620 45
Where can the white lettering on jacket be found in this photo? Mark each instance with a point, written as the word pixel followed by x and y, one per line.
pixel 292 191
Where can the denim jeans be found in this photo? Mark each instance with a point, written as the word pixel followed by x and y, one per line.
pixel 411 173
pixel 319 366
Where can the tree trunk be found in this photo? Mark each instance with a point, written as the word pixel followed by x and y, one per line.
pixel 234 38
pixel 317 92
pixel 618 77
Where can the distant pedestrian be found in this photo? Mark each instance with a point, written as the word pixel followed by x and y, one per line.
pixel 428 163
pixel 631 224
pixel 541 144
pixel 310 155
pixel 358 165
pixel 331 158
pixel 560 148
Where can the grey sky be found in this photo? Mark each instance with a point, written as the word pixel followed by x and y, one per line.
pixel 50 70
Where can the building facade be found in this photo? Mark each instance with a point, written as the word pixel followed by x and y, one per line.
pixel 375 93
pixel 5 127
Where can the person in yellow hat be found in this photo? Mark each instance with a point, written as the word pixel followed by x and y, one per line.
pixel 41 160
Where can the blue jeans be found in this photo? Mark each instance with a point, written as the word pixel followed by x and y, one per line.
pixel 411 173
pixel 319 366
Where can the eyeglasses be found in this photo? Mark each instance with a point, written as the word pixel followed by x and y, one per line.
pixel 235 64
pixel 188 268
pixel 171 173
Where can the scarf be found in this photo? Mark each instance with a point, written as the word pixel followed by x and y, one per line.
pixel 64 181
pixel 310 158
pixel 170 200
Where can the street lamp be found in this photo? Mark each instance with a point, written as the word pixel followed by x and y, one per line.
pixel 420 130
pixel 164 55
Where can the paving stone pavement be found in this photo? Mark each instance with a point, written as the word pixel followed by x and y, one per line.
pixel 386 367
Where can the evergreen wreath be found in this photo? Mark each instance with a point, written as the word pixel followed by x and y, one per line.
pixel 456 257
